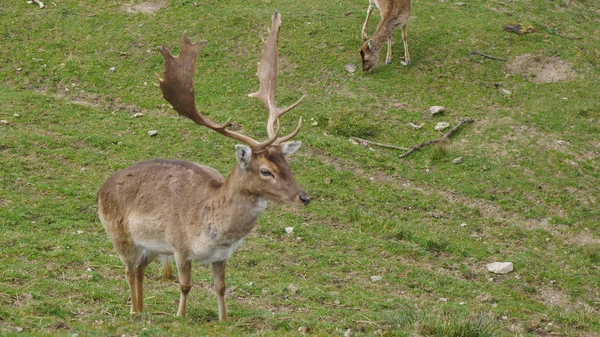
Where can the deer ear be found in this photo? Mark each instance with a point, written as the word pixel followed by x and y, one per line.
pixel 243 154
pixel 370 44
pixel 290 147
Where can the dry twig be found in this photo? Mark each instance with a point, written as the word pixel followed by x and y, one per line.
pixel 362 141
pixel 439 140
pixel 486 56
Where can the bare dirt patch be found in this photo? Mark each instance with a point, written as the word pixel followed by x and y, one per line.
pixel 144 7
pixel 541 69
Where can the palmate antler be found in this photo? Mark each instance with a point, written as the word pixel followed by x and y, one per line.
pixel 178 87
pixel 268 68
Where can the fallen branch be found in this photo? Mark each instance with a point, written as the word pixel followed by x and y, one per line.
pixel 380 144
pixel 486 56
pixel 439 140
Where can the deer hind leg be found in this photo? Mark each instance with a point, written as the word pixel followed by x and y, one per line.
pixel 219 284
pixel 167 267
pixel 365 37
pixel 406 55
pixel 388 57
pixel 184 266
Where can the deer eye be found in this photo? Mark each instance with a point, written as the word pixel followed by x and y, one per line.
pixel 266 173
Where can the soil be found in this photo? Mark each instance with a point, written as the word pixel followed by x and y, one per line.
pixel 541 69
pixel 144 7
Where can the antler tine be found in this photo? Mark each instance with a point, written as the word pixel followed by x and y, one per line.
pixel 267 75
pixel 178 88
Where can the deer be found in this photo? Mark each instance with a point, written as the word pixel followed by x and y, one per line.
pixel 188 211
pixel 394 13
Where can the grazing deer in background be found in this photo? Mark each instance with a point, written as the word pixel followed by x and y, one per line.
pixel 170 207
pixel 394 13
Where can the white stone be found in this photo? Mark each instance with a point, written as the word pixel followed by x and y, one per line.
pixel 436 109
pixel 500 267
pixel 441 126
pixel 376 278
pixel 289 230
pixel 152 133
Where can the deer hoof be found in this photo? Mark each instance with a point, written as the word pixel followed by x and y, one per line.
pixel 405 63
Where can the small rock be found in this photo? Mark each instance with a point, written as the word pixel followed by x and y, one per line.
pixel 441 126
pixel 136 115
pixel 112 69
pixel 350 68
pixel 376 278
pixel 17 115
pixel 458 160
pixel 442 299
pixel 504 318
pixel 463 225
pixel 152 133
pixel 505 91
pixel 436 109
pixel 289 230
pixel 79 231
pixel 500 267
pixel 302 329
pixel 415 126
pixel 19 329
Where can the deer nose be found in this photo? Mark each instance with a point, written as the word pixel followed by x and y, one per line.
pixel 305 198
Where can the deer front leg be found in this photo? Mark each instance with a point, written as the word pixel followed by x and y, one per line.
pixel 184 266
pixel 219 284
pixel 139 281
pixel 364 27
pixel 404 39
pixel 130 275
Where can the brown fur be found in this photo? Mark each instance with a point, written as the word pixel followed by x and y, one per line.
pixel 394 14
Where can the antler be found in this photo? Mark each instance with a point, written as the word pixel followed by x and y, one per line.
pixel 178 89
pixel 267 75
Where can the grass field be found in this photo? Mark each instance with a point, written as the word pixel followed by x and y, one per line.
pixel 73 75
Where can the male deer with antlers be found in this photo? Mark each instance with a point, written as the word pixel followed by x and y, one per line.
pixel 394 13
pixel 180 208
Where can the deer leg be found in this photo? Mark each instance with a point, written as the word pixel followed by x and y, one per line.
pixel 184 266
pixel 364 27
pixel 219 284
pixel 388 57
pixel 130 275
pixel 406 55
pixel 139 281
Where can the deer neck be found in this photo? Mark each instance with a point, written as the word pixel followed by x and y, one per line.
pixel 380 37
pixel 242 206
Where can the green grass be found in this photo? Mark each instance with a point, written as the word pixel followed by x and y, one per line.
pixel 527 191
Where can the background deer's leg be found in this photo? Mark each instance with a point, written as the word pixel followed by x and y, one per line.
pixel 139 281
pixel 167 267
pixel 364 27
pixel 219 284
pixel 388 57
pixel 184 266
pixel 406 55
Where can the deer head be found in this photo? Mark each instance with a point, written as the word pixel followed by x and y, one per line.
pixel 368 56
pixel 262 166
